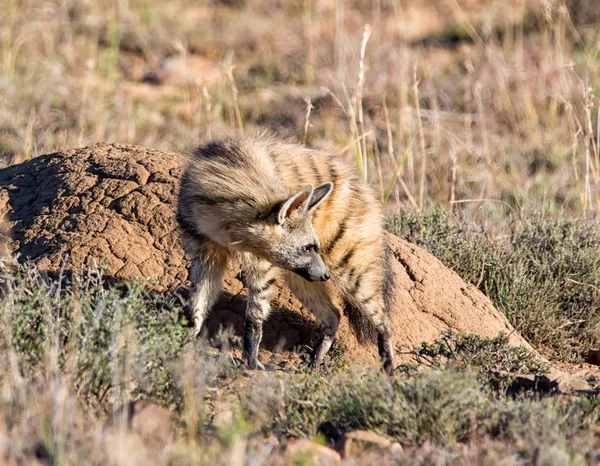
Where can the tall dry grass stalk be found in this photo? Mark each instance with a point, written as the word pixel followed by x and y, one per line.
pixel 421 140
pixel 228 68
pixel 309 108
pixel 359 97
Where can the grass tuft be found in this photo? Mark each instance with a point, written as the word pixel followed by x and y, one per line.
pixel 497 365
pixel 543 273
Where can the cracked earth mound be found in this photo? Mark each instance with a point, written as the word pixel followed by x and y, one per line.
pixel 114 206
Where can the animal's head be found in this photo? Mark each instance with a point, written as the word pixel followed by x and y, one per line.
pixel 293 244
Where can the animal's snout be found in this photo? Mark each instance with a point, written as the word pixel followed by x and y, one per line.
pixel 313 275
pixel 316 271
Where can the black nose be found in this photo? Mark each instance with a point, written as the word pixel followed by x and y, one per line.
pixel 326 276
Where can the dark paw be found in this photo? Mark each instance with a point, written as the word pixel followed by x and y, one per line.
pixel 314 365
pixel 252 364
pixel 388 366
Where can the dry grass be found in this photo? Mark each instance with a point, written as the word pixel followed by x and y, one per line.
pixel 71 354
pixel 485 105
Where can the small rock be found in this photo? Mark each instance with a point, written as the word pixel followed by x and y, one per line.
pixel 153 423
pixel 223 418
pixel 396 448
pixel 574 383
pixel 313 452
pixel 593 357
pixel 139 433
pixel 355 443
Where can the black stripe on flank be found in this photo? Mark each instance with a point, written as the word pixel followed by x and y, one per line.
pixel 315 169
pixel 331 245
pixel 366 301
pixel 297 175
pixel 349 275
pixel 356 286
pixel 333 174
pixel 344 261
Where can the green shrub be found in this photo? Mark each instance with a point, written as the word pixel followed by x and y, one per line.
pixel 496 363
pixel 101 332
pixel 87 344
pixel 442 406
pixel 544 274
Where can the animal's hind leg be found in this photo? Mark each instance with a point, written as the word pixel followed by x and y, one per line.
pixel 386 350
pixel 367 297
pixel 260 280
pixel 209 264
pixel 374 310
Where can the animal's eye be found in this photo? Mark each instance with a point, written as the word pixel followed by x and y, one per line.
pixel 308 248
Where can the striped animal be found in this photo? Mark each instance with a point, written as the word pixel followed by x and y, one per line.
pixel 283 210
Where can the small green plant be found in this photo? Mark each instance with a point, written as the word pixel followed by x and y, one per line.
pixel 496 363
pixel 96 331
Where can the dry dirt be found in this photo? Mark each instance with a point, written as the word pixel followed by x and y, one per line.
pixel 113 205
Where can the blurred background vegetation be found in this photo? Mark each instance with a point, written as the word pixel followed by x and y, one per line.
pixel 484 105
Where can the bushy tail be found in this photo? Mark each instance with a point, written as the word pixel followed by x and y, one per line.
pixel 362 327
pixel 388 281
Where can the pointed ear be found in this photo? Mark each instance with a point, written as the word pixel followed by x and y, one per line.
pixel 319 195
pixel 294 203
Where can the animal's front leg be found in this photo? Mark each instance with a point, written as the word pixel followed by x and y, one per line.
pixel 323 347
pixel 260 278
pixel 317 297
pixel 208 267
pixel 330 321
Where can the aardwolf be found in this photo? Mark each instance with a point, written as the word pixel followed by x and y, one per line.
pixel 285 211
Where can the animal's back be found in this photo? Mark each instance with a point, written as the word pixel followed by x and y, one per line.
pixel 351 207
pixel 235 181
pixel 226 183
